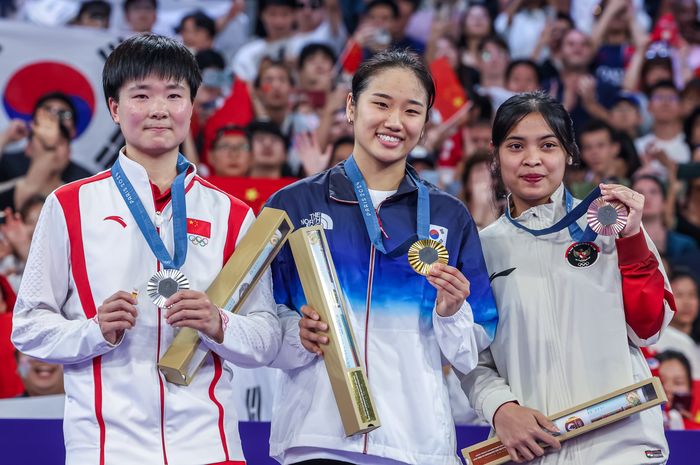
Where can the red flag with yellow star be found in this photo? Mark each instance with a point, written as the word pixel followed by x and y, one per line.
pixel 199 227
pixel 450 95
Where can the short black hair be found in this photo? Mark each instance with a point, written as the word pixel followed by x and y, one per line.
pixel 595 125
pixel 649 64
pixel 388 3
pixel 266 127
pixel 209 58
pixel 128 3
pixel 523 62
pixel 519 106
pixel 144 55
pixel 262 4
pixel 565 17
pixel 665 84
pixel 495 40
pixel 312 49
pixel 668 355
pixel 57 96
pixel 394 58
pixel 201 21
pixel 95 8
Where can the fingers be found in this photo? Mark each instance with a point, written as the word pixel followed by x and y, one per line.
pixel 546 423
pixel 121 295
pixel 513 452
pixel 311 330
pixel 313 325
pixel 309 312
pixel 449 279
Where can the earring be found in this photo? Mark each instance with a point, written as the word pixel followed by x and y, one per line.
pixel 570 160
pixel 350 122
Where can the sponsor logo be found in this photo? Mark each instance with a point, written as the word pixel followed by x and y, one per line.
pixel 654 454
pixel 573 423
pixel 116 219
pixel 501 273
pixel 317 218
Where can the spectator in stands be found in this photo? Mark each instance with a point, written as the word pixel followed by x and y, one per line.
pixel 40 378
pixel 232 30
pixel 670 243
pixel 477 26
pixel 685 12
pixel 93 13
pixel 600 152
pixel 479 193
pixel 140 15
pixel 215 84
pixel 521 23
pixel 230 154
pixel 315 71
pixel 273 89
pixel 45 163
pixel 547 52
pixel 667 130
pixel 686 292
pixel 522 76
pixel 198 31
pixel 10 382
pixel 378 29
pixel 318 21
pixel 16 235
pixel 341 150
pixel 277 17
pixel 675 373
pixel 269 149
pixel 688 211
pixel 492 65
pixel 690 97
pixel 625 114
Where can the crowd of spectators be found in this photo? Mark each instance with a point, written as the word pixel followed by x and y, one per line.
pixel 271 110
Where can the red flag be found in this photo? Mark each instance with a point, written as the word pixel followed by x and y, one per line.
pixel 252 191
pixel 199 227
pixel 351 57
pixel 450 95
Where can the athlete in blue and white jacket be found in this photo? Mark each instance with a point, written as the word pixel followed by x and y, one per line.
pixel 406 325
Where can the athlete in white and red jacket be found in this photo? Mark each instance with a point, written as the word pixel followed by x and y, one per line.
pixel 87 255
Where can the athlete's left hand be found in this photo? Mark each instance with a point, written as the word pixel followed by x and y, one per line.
pixel 193 309
pixel 452 287
pixel 634 201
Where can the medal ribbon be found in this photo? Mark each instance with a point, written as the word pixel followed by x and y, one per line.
pixel 569 220
pixel 369 214
pixel 143 220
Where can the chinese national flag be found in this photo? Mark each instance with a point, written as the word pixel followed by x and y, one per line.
pixel 450 95
pixel 199 227
pixel 252 191
pixel 351 57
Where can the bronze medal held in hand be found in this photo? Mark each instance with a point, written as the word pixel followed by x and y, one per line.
pixel 426 252
pixel 607 218
pixel 164 284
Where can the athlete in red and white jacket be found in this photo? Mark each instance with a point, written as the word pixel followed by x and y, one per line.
pixel 119 409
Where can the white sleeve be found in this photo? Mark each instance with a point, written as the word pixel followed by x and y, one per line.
pixel 459 338
pixel 485 388
pixel 40 327
pixel 292 354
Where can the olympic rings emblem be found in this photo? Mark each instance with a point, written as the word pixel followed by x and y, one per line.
pixel 198 240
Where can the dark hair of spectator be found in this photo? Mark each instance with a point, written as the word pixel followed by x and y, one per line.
pixel 267 65
pixel 146 55
pixel 262 4
pixel 311 50
pixel 496 40
pixel 653 178
pixel 129 3
pixel 519 106
pixel 391 4
pixel 209 58
pixel 226 130
pixel 265 127
pixel 390 59
pixel 668 355
pixel 628 152
pixel 31 202
pixel 595 125
pixel 523 62
pixel 565 17
pixel 680 273
pixel 479 156
pixel 690 122
pixel 56 96
pixel 95 9
pixel 463 34
pixel 648 65
pixel 342 141
pixel 666 84
pixel 201 21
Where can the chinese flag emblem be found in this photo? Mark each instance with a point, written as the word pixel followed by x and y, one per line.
pixel 199 227
pixel 251 195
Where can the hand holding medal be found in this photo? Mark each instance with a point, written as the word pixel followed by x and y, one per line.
pixel 193 309
pixel 633 201
pixel 117 314
pixel 452 286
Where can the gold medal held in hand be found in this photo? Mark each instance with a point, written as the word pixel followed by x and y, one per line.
pixel 426 252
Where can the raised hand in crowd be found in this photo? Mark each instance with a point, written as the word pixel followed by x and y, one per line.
pixel 16 234
pixel 313 159
pixel 15 131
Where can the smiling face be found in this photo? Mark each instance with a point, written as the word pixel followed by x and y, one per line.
pixel 532 162
pixel 40 378
pixel 389 116
pixel 154 115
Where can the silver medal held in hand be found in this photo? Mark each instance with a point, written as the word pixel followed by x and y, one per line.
pixel 164 284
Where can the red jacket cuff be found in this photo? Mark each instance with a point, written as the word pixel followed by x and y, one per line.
pixel 632 249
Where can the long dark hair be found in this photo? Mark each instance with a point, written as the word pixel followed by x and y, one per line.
pixel 519 106
pixel 394 59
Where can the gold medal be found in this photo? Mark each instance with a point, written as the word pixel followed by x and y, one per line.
pixel 426 252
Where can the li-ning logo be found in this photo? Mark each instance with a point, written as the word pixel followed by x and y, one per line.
pixel 318 218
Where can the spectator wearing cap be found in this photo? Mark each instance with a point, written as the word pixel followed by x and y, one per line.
pixel 93 13
pixel 197 30
pixel 318 21
pixel 229 155
pixel 45 163
pixel 670 243
pixel 269 150
pixel 140 15
pixel 667 128
pixel 277 18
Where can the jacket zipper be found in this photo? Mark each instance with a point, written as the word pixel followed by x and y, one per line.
pixel 160 378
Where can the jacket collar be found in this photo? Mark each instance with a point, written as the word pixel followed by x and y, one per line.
pixel 546 214
pixel 340 187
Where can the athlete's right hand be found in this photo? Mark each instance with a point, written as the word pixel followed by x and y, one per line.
pixel 310 327
pixel 521 428
pixel 116 314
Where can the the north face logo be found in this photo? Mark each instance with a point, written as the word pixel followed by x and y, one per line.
pixel 318 218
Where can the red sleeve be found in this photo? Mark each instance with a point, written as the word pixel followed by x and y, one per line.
pixel 643 290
